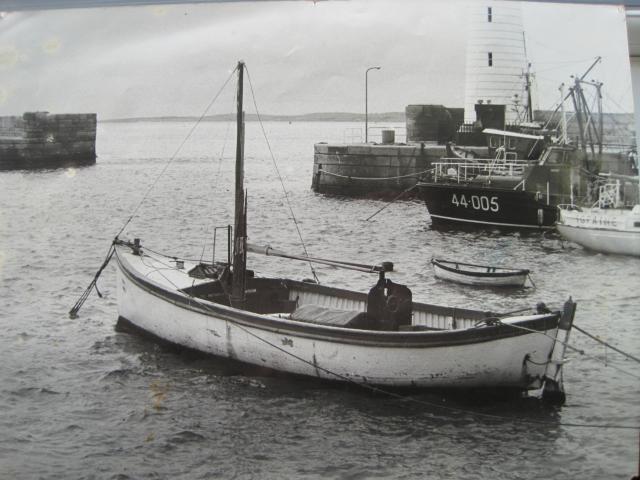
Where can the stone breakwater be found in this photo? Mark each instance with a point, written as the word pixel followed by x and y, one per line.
pixel 42 140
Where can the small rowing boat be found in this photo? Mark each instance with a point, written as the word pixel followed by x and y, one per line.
pixel 481 275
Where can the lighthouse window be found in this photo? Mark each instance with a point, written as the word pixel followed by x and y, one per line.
pixel 490 59
pixel 489 14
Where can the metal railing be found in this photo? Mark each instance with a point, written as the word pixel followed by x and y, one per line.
pixel 465 170
pixel 609 195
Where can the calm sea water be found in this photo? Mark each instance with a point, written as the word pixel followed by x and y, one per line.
pixel 79 399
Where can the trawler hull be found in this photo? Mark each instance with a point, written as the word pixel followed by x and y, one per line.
pixel 489 206
pixel 447 347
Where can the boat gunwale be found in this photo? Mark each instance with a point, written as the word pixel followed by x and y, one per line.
pixel 469 185
pixel 372 338
pixel 509 272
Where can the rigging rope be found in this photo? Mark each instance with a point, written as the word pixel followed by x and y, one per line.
pixel 73 313
pixel 275 164
pixel 172 158
pixel 215 185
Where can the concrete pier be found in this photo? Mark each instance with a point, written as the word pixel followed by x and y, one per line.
pixel 376 170
pixel 41 140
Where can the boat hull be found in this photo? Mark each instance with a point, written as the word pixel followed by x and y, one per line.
pixel 515 279
pixel 479 205
pixel 602 230
pixel 487 356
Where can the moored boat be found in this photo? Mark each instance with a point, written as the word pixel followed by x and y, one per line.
pixel 503 192
pixel 479 275
pixel 609 227
pixel 529 174
pixel 381 337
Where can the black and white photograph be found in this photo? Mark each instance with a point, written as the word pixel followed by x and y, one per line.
pixel 319 239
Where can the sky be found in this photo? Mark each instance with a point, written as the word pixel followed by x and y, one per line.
pixel 302 56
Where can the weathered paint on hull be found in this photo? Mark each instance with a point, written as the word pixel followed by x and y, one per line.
pixel 226 332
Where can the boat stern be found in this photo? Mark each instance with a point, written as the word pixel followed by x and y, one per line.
pixel 552 389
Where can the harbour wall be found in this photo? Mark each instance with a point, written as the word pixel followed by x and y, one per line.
pixel 373 170
pixel 42 140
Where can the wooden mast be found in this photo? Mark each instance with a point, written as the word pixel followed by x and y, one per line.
pixel 240 218
pixel 529 112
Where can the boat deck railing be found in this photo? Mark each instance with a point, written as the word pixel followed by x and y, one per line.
pixel 463 170
pixel 609 195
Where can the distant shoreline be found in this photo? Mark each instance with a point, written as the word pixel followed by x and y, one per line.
pixel 395 117
pixel 309 117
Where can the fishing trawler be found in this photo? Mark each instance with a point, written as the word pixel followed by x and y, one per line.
pixel 521 187
pixel 381 337
pixel 504 192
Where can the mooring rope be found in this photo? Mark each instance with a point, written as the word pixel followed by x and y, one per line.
pixel 608 345
pixel 275 164
pixel 417 174
pixel 393 200
pixel 382 391
pixel 571 347
pixel 432 404
pixel 379 390
pixel 73 313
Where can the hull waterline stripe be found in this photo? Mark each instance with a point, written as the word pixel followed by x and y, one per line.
pixel 535 227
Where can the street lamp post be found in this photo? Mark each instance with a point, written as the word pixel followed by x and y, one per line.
pixel 366 103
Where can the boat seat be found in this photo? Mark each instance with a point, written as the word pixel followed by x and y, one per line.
pixel 331 316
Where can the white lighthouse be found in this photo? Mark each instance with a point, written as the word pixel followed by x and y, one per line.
pixel 496 61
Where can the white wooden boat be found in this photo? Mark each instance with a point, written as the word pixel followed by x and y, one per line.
pixel 479 275
pixel 381 337
pixel 608 228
